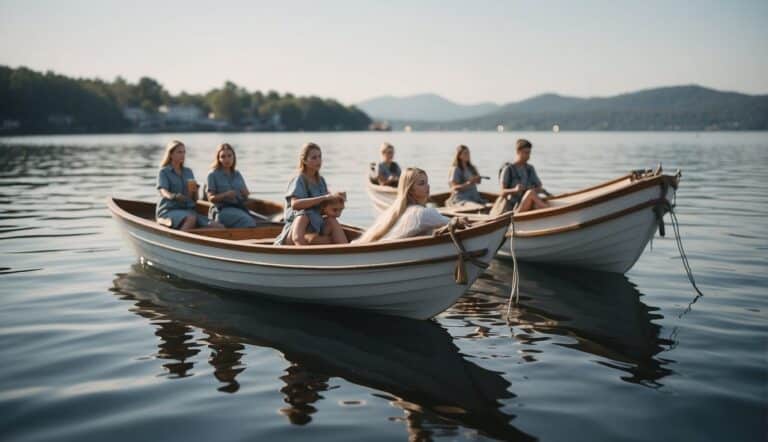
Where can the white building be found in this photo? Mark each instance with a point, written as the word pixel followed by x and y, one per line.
pixel 181 113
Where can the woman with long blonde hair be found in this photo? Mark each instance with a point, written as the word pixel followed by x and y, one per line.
pixel 178 191
pixel 227 190
pixel 408 216
pixel 304 224
pixel 463 179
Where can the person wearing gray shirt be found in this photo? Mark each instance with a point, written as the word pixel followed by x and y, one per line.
pixel 463 180
pixel 520 184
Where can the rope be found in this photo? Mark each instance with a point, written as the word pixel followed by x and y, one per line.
pixel 514 293
pixel 460 272
pixel 684 259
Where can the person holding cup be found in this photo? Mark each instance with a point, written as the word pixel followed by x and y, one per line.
pixel 178 191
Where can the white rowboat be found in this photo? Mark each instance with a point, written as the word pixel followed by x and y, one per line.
pixel 605 227
pixel 411 278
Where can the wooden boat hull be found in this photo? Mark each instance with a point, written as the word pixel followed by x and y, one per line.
pixel 410 278
pixel 603 228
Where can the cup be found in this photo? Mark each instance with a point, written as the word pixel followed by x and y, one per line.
pixel 192 189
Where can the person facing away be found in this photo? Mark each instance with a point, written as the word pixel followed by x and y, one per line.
pixel 519 182
pixel 387 172
pixel 227 190
pixel 408 215
pixel 463 179
pixel 306 191
pixel 178 191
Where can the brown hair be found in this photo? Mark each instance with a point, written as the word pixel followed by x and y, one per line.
pixel 304 153
pixel 457 162
pixel 169 148
pixel 522 143
pixel 386 146
pixel 220 148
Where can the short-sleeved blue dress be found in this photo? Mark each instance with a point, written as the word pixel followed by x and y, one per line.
pixel 300 188
pixel 457 175
pixel 382 169
pixel 230 212
pixel 176 211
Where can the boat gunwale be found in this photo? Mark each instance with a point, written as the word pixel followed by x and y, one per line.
pixel 639 184
pixel 113 204
pixel 590 223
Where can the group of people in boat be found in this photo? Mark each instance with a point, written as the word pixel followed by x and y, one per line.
pixel 312 211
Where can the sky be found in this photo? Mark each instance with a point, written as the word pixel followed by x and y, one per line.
pixel 468 52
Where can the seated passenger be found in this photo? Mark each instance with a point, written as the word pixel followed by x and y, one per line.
pixel 386 171
pixel 408 216
pixel 306 192
pixel 178 191
pixel 227 190
pixel 463 180
pixel 519 183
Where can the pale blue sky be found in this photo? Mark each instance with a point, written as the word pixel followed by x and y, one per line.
pixel 352 50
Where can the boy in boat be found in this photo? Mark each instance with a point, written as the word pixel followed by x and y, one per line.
pixel 520 184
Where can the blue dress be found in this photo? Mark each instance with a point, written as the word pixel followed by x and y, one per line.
pixel 173 210
pixel 386 171
pixel 231 212
pixel 457 175
pixel 301 188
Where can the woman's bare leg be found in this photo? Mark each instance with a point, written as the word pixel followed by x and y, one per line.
pixel 189 223
pixel 538 203
pixel 298 229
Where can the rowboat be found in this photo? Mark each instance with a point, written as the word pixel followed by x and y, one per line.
pixel 414 363
pixel 605 227
pixel 413 277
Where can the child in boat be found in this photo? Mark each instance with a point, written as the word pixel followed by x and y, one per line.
pixel 519 183
pixel 332 207
pixel 387 172
pixel 463 179
pixel 227 190
pixel 178 191
pixel 306 192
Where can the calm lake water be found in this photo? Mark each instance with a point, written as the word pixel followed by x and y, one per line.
pixel 94 347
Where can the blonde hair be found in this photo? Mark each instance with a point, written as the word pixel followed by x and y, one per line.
pixel 457 162
pixel 169 148
pixel 396 210
pixel 386 146
pixel 220 148
pixel 304 153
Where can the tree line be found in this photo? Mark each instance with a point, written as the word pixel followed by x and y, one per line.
pixel 35 102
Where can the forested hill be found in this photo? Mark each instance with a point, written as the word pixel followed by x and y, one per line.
pixel 669 108
pixel 36 102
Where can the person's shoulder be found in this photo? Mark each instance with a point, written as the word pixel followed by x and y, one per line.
pixel 187 171
pixel 165 169
pixel 213 173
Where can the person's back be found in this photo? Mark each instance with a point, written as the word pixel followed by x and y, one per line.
pixel 417 220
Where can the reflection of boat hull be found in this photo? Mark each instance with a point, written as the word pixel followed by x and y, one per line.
pixel 411 278
pixel 602 311
pixel 415 361
pixel 603 228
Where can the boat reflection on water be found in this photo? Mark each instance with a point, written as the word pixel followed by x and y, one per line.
pixel 602 312
pixel 415 364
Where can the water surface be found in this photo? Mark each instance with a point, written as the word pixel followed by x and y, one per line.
pixel 97 347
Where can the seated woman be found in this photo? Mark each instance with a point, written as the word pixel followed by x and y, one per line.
pixel 306 192
pixel 463 180
pixel 408 216
pixel 227 190
pixel 178 191
pixel 519 183
pixel 386 172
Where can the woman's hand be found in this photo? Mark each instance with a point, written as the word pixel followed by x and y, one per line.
pixel 244 192
pixel 476 179
pixel 180 197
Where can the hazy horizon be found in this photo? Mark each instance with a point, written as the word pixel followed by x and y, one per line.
pixel 489 52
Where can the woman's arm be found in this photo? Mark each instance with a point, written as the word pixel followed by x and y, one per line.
pixel 167 194
pixel 219 197
pixel 306 203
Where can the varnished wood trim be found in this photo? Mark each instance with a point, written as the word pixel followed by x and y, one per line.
pixel 592 222
pixel 123 209
pixel 589 189
pixel 474 254
pixel 632 188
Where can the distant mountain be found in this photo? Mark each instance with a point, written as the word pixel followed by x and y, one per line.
pixel 669 108
pixel 423 107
